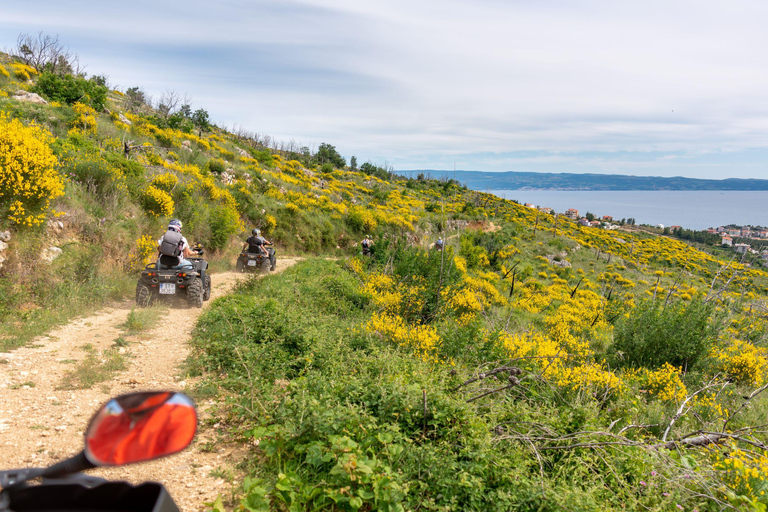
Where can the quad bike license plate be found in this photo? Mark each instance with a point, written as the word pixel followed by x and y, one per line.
pixel 167 288
pixel 251 263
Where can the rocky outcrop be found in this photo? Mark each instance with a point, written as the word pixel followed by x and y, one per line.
pixel 29 97
pixel 50 254
pixel 5 237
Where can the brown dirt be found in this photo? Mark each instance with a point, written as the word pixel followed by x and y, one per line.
pixel 41 424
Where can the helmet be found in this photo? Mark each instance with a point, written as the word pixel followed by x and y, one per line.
pixel 175 224
pixel 256 231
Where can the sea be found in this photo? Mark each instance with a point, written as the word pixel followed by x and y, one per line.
pixel 691 209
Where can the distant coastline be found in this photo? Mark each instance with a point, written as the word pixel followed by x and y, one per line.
pixel 480 180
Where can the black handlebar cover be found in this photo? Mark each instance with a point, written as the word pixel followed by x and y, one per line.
pixel 64 495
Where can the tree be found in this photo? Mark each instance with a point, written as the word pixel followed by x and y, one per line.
pixel 590 216
pixel 353 163
pixel 46 53
pixel 135 98
pixel 326 153
pixel 169 102
pixel 201 120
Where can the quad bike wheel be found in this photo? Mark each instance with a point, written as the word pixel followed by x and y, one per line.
pixel 195 294
pixel 143 295
pixel 207 288
pixel 239 266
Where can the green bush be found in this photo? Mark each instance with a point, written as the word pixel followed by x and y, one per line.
pixel 681 334
pixel 71 89
pixel 217 166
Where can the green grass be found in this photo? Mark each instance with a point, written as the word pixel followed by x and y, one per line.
pixel 94 369
pixel 144 319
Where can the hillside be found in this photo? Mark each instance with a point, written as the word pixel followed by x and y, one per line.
pixel 532 364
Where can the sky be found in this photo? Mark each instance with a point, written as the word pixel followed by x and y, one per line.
pixel 652 88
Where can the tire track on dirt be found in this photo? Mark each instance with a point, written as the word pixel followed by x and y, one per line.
pixel 41 424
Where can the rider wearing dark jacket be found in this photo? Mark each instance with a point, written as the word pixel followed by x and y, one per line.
pixel 256 244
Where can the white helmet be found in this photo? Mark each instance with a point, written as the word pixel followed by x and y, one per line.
pixel 175 224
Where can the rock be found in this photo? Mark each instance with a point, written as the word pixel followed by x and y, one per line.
pixel 5 236
pixel 124 120
pixel 56 225
pixel 29 97
pixel 243 153
pixel 50 254
pixel 3 246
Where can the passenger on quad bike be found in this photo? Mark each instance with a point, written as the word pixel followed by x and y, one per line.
pixel 256 244
pixel 439 244
pixel 173 248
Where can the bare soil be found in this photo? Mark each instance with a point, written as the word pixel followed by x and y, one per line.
pixel 41 424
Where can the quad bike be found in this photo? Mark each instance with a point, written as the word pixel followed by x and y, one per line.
pixel 129 428
pixel 254 262
pixel 191 283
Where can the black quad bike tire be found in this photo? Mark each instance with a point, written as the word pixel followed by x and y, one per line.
pixel 207 288
pixel 143 295
pixel 239 266
pixel 195 293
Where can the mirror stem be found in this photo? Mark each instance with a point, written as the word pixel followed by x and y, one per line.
pixel 73 464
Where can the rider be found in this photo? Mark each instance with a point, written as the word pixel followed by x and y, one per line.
pixel 439 243
pixel 256 244
pixel 176 249
pixel 367 243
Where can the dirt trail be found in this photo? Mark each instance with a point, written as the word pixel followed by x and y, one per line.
pixel 41 424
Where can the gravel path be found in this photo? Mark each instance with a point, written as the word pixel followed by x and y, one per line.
pixel 41 424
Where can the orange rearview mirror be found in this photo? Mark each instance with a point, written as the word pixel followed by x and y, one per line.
pixel 137 427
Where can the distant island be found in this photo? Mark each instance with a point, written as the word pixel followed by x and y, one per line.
pixel 479 180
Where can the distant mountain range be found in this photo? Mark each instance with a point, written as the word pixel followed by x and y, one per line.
pixel 479 180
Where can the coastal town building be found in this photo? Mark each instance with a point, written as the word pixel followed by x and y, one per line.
pixel 727 240
pixel 583 222
pixel 572 213
pixel 741 248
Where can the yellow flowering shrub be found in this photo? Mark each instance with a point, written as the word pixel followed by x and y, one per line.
pixel 165 181
pixel 665 384
pixel 23 71
pixel 4 72
pixel 157 202
pixel 146 252
pixel 744 362
pixel 423 340
pixel 270 223
pixel 28 176
pixel 85 118
pixel 744 472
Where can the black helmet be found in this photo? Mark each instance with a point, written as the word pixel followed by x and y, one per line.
pixel 254 231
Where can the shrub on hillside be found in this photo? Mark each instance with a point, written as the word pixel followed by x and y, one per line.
pixel 28 176
pixel 97 176
pixel 70 90
pixel 224 222
pixel 157 202
pixel 85 118
pixel 217 166
pixel 679 333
